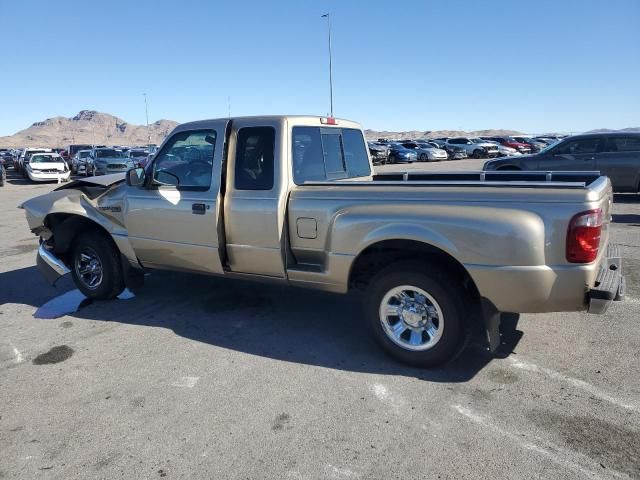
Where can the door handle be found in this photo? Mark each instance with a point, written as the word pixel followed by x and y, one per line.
pixel 198 208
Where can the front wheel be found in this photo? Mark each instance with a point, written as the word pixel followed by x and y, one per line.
pixel 96 267
pixel 415 314
pixel 477 154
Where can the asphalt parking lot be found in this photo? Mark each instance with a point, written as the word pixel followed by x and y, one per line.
pixel 199 377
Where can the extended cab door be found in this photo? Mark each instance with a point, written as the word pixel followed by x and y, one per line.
pixel 255 197
pixel 172 220
pixel 578 154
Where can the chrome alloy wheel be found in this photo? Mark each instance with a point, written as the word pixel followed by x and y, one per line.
pixel 411 318
pixel 89 268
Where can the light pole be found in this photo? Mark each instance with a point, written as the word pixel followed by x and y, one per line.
pixel 146 112
pixel 326 15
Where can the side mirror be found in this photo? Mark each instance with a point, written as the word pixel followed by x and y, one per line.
pixel 136 177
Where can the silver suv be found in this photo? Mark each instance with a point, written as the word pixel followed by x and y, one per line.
pixel 109 160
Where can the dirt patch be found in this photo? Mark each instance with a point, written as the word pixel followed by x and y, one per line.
pixel 55 355
pixel 502 376
pixel 281 422
pixel 611 445
pixel 66 324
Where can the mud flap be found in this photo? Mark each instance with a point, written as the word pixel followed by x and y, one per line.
pixel 133 277
pixel 491 318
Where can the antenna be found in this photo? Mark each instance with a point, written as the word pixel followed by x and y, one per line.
pixel 327 16
pixel 146 112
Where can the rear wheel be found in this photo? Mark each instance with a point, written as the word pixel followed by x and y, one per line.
pixel 96 267
pixel 415 314
pixel 477 154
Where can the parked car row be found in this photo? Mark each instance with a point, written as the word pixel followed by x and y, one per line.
pixel 385 151
pixel 55 164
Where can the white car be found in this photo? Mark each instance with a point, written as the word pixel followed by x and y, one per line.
pixel 25 155
pixel 47 167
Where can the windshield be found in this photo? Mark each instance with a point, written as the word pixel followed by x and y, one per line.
pixel 84 154
pixel 109 154
pixel 549 147
pixel 45 159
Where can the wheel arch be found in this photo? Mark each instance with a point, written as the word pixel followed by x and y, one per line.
pixel 509 167
pixel 383 253
pixel 65 227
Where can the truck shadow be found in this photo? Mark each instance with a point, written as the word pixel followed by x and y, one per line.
pixel 293 325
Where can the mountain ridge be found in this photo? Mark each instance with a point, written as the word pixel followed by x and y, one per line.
pixel 88 126
pixel 93 127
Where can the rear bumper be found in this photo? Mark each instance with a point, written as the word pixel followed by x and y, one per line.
pixel 51 267
pixel 557 288
pixel 610 283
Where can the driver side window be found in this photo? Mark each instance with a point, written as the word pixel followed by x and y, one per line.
pixel 575 147
pixel 186 161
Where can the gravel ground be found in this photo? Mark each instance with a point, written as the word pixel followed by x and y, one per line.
pixel 200 377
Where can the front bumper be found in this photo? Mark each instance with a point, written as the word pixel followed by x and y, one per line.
pixel 51 267
pixel 49 177
pixel 109 171
pixel 610 283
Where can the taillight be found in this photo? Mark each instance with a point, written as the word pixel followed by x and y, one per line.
pixel 328 121
pixel 583 236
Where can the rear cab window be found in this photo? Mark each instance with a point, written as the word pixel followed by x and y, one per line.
pixel 321 154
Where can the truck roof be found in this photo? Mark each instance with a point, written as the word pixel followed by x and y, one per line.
pixel 297 119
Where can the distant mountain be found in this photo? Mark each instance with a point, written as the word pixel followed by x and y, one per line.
pixel 414 134
pixel 623 130
pixel 92 127
pixel 88 126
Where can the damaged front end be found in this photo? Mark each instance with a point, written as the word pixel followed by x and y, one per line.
pixel 59 216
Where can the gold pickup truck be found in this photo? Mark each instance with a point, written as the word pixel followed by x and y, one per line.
pixel 294 200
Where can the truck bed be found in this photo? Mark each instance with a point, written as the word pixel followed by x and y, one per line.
pixel 556 179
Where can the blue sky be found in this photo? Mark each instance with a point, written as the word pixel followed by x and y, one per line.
pixel 541 65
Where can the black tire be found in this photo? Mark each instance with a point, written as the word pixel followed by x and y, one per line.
pixel 477 154
pixel 449 295
pixel 391 159
pixel 423 157
pixel 98 244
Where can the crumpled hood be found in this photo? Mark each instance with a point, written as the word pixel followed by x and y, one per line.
pixel 101 203
pixel 102 180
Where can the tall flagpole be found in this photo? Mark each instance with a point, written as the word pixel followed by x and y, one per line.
pixel 327 16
